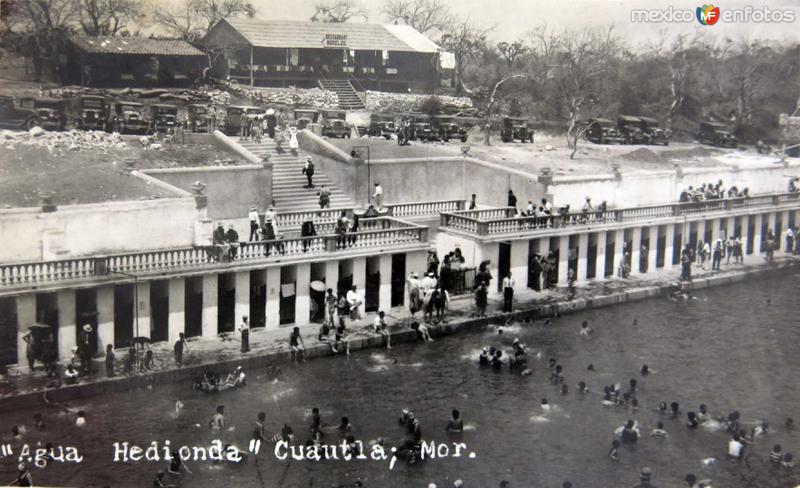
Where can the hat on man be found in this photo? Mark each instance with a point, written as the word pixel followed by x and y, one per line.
pixel 516 340
pixel 87 328
pixel 253 208
pixel 430 273
pixel 645 474
pixel 308 158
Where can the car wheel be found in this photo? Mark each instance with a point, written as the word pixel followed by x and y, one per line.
pixel 717 143
pixel 464 139
pixel 31 123
pixel 505 139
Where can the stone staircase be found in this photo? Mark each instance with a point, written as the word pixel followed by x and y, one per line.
pixel 348 96
pixel 288 181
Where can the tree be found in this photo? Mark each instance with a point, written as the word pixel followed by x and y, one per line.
pixel 108 17
pixel 337 11
pixel 465 40
pixel 423 15
pixel 511 52
pixel 192 19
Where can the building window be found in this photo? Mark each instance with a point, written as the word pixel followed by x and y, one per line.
pixel 294 56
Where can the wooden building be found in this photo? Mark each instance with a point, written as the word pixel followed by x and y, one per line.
pixel 132 61
pixel 306 54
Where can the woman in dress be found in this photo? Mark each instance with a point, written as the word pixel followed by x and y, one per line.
pixel 294 146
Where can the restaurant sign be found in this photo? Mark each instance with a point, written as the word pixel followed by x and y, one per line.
pixel 334 40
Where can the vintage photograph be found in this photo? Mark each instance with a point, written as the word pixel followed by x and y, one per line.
pixel 399 243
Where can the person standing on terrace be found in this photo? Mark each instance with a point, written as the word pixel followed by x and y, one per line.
pixel 253 217
pixel 512 200
pixel 472 204
pixel 378 196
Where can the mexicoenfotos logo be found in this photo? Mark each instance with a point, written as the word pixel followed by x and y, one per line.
pixel 707 14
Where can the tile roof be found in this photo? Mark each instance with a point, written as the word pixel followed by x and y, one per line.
pixel 298 34
pixel 135 45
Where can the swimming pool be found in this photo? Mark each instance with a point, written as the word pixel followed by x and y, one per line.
pixel 728 349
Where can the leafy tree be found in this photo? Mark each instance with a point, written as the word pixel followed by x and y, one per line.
pixel 426 16
pixel 337 11
pixel 466 41
pixel 192 19
pixel 108 17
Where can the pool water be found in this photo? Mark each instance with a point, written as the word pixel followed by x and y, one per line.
pixel 729 349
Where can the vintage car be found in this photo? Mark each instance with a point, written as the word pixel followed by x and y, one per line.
pixel 233 117
pixel 382 125
pixel 447 128
pixel 13 117
pixel 716 133
pixel 199 118
pixel 516 128
pixel 128 118
pixel 52 112
pixel 653 132
pixel 602 131
pixel 421 128
pixel 163 117
pixel 334 124
pixel 92 113
pixel 305 116
pixel 630 128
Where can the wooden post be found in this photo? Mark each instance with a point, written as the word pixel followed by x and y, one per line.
pixel 251 65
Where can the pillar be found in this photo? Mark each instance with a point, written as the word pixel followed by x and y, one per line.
pixel 360 279
pixel 66 323
pixel 772 221
pixel 210 297
pixel 242 296
pixel 177 309
pixel 652 249
pixel 784 226
pixel 302 302
pixel 730 227
pixel 563 259
pixel 758 221
pixel 600 264
pixel 669 249
pixel 701 231
pixel 416 262
pixel 636 249
pixel 519 262
pixel 583 256
pixel 619 243
pixel 105 317
pixel 273 312
pixel 385 292
pixel 143 311
pixel 715 233
pixel 26 315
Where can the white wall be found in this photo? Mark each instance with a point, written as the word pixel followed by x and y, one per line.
pixel 92 229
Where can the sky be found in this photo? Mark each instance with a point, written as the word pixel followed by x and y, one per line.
pixel 512 19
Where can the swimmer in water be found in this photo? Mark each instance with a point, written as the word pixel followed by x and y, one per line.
pixel 564 389
pixel 645 370
pixel 692 422
pixel 81 420
pixel 545 405
pixel 455 424
pixel 176 464
pixel 178 409
pixel 585 329
pixel 761 429
pixel 582 388
pixel 674 409
pixel 629 433
pixel 483 358
pixel 632 387
pixel 659 432
pixel 217 421
pixel 662 407
pixel 590 367
pixel 775 456
pixel 789 424
pixel 551 363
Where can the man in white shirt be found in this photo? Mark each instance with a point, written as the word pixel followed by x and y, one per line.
pixel 428 282
pixel 244 328
pixel 382 328
pixel 355 302
pixel 253 216
pixel 508 292
pixel 735 447
pixel 269 216
pixel 378 196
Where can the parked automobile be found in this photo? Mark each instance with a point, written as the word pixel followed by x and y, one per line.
pixel 233 117
pixel 199 118
pixel 52 112
pixel 334 124
pixel 447 128
pixel 305 116
pixel 516 128
pixel 92 113
pixel 653 132
pixel 163 117
pixel 128 118
pixel 716 133
pixel 602 131
pixel 13 117
pixel 382 125
pixel 630 128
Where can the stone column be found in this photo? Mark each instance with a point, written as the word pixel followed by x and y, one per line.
pixel 636 249
pixel 144 310
pixel 600 260
pixel 273 312
pixel 714 223
pixel 619 242
pixel 26 315
pixel 784 226
pixel 331 275
pixel 210 300
pixel 519 263
pixel 177 309
pixel 67 338
pixel 701 231
pixel 242 297
pixel 302 302
pixel 385 292
pixel 360 279
pixel 772 222
pixel 105 317
pixel 563 259
pixel 758 221
pixel 416 262
pixel 652 249
pixel 583 256
pixel 669 249
pixel 730 227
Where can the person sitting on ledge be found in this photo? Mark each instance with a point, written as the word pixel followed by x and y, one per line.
pixel 71 375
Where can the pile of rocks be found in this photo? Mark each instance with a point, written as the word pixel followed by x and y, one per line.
pixel 405 102
pixel 293 97
pixel 73 140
